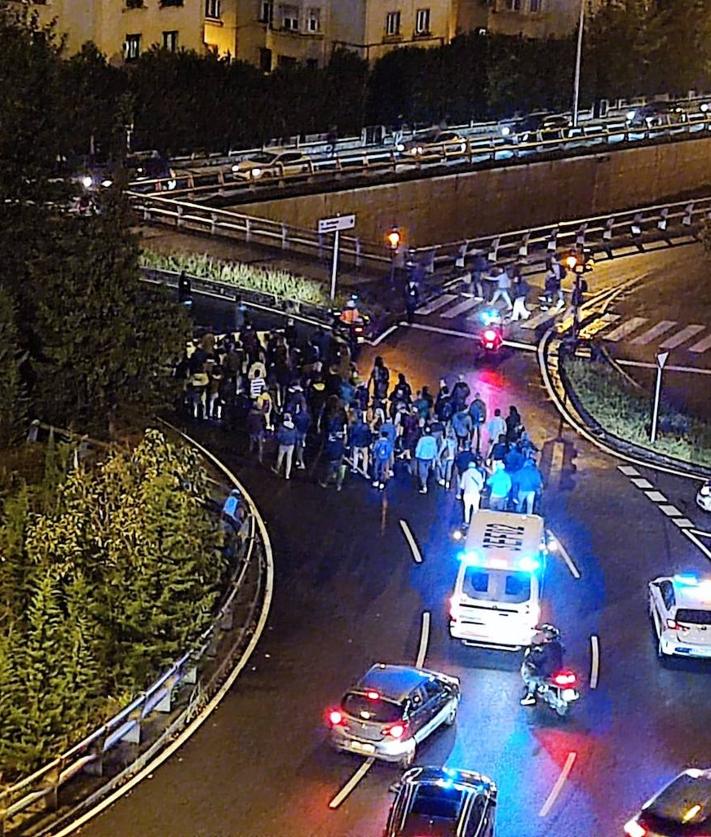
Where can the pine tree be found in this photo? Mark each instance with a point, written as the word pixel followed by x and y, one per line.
pixel 13 395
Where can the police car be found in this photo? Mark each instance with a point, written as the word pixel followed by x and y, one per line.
pixel 680 608
pixel 703 497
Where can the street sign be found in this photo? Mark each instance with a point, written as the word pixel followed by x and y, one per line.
pixel 340 222
pixel 662 358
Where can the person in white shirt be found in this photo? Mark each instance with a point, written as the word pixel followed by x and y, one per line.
pixel 471 487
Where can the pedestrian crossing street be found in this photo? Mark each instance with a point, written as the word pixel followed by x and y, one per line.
pixel 613 328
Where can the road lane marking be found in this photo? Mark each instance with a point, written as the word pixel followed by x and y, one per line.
pixel 626 328
pixel 598 325
pixel 347 789
pixel 460 308
pixel 681 336
pixel 434 304
pixel 594 661
pixel 641 482
pixel 641 364
pixel 574 571
pixel 700 533
pixel 670 511
pixel 558 787
pixel 656 496
pixel 628 470
pixel 701 346
pixel 652 333
pixel 410 538
pixel 683 523
pixel 424 639
pixel 385 334
pixel 540 318
pixel 695 540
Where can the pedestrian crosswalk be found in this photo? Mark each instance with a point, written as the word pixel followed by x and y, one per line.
pixel 634 331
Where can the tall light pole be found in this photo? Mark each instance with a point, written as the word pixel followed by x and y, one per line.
pixel 578 62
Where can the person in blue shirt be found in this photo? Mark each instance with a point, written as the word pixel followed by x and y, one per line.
pixel 499 484
pixel 382 459
pixel 425 456
pixel 530 484
pixel 286 440
pixel 359 439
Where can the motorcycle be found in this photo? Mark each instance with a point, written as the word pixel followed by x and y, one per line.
pixel 353 333
pixel 489 334
pixel 558 691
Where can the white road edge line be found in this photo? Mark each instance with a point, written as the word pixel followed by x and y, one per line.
pixel 385 334
pixel 702 546
pixel 190 730
pixel 594 661
pixel 700 533
pixel 574 571
pixel 424 639
pixel 347 789
pixel 410 538
pixel 558 787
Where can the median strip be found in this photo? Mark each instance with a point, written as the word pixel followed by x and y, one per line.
pixel 594 661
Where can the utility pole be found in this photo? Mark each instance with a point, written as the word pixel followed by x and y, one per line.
pixel 578 62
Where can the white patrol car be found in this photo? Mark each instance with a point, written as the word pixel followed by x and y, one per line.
pixel 703 497
pixel 496 601
pixel 680 608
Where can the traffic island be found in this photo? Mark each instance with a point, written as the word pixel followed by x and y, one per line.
pixel 618 411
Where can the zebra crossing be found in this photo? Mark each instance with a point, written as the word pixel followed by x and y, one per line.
pixel 610 327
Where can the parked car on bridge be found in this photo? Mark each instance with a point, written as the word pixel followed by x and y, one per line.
pixel 655 114
pixel 446 802
pixel 434 144
pixel 270 164
pixel 542 125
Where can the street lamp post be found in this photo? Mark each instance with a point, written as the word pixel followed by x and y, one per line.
pixel 578 62
pixel 393 239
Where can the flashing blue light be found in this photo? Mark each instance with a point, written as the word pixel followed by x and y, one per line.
pixel 686 579
pixel 470 557
pixel 489 316
pixel 445 783
pixel 529 564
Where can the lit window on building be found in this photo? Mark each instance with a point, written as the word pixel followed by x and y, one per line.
pixel 422 22
pixel 132 47
pixel 170 40
pixel 392 23
pixel 313 20
pixel 213 9
pixel 289 16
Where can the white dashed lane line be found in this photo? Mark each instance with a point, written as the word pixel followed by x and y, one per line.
pixel 347 789
pixel 410 538
pixel 594 661
pixel 558 547
pixel 424 639
pixel 558 787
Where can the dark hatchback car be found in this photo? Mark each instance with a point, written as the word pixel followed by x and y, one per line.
pixel 681 809
pixel 434 802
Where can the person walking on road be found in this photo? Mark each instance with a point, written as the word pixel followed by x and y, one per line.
pixel 257 429
pixel 520 290
pixel 477 412
pixel 335 451
pixel 382 460
pixel 286 440
pixel 530 485
pixel 461 463
pixel 360 438
pixel 445 458
pixel 496 426
pixel 503 285
pixel 462 426
pixel 472 486
pixel 499 484
pixel 412 299
pixel 425 456
pixel 380 379
pixel 302 423
pixel 513 425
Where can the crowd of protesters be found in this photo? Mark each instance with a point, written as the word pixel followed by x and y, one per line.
pixel 304 403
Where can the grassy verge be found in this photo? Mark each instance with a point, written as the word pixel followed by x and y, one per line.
pixel 624 411
pixel 278 283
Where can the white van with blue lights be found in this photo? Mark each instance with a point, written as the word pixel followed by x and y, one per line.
pixel 497 595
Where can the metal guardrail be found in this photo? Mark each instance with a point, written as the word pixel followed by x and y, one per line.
pixel 527 246
pixel 220 179
pixel 40 791
pixel 319 143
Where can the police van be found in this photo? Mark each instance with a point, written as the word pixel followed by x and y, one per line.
pixel 497 594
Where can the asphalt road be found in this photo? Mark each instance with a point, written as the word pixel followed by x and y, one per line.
pixel 348 593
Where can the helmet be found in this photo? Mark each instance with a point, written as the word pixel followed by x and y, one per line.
pixel 549 632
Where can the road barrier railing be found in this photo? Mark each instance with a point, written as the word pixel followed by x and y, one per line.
pixel 220 179
pixel 531 246
pixel 381 135
pixel 154 716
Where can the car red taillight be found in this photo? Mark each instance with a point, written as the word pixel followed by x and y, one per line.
pixel 395 731
pixel 675 626
pixel 565 678
pixel 634 829
pixel 335 717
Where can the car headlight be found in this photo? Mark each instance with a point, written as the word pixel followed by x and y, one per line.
pixel 705 490
pixel 506 131
pixel 106 183
pixel 399 147
pixel 630 115
pixel 255 173
pixel 172 184
pixel 87 182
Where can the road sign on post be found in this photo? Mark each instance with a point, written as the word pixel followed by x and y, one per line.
pixel 335 225
pixel 662 358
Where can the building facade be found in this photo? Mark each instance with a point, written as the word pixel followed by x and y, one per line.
pixel 122 29
pixel 273 33
pixel 530 18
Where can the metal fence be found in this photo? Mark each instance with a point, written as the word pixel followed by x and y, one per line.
pixel 34 802
pixel 527 246
pixel 383 135
pixel 220 179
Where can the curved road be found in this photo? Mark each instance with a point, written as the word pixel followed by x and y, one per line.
pixel 349 593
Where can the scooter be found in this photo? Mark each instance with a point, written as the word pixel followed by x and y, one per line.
pixel 489 335
pixel 558 691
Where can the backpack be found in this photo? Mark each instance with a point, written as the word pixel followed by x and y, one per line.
pixel 381 450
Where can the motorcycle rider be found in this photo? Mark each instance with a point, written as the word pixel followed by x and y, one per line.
pixel 543 658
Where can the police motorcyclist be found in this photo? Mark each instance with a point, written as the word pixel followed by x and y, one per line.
pixel 543 658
